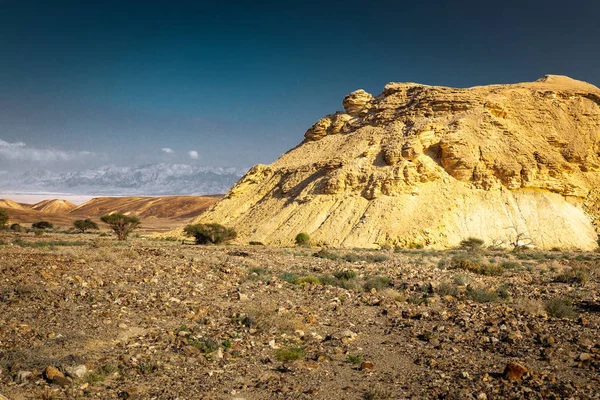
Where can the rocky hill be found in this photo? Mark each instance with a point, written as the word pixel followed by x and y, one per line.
pixel 54 206
pixel 424 165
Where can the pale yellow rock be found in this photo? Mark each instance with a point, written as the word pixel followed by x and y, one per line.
pixel 426 165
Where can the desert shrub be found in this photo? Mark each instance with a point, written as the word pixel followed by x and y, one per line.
pixel 354 358
pixel 351 257
pixel 376 258
pixel 3 218
pixel 345 275
pixel 289 277
pixel 447 289
pixel 38 232
pixel 85 225
pixel 530 306
pixel 482 295
pixel 309 279
pixel 575 275
pixel 560 308
pixel 289 353
pixel 461 279
pixel 258 273
pixel 326 254
pixel 121 224
pixel 210 233
pixel 471 244
pixel 42 225
pixel 510 265
pixel 302 239
pixel 16 228
pixel 377 283
pixel 475 265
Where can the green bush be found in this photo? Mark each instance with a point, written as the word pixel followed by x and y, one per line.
pixel 302 239
pixel 471 244
pixel 482 295
pixel 447 289
pixel 290 353
pixel 16 228
pixel 377 283
pixel 121 224
pixel 210 233
pixel 560 308
pixel 3 218
pixel 345 275
pixel 42 225
pixel 85 225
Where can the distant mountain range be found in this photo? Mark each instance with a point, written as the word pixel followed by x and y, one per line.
pixel 151 180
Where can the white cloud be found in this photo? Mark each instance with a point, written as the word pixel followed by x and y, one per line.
pixel 168 150
pixel 20 151
pixel 193 154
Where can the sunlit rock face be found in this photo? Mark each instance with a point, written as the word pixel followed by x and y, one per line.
pixel 427 165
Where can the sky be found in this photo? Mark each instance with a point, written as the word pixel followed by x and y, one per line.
pixel 233 84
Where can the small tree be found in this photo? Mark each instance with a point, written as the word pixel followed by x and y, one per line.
pixel 3 218
pixel 210 233
pixel 85 225
pixel 42 225
pixel 302 239
pixel 471 244
pixel 121 224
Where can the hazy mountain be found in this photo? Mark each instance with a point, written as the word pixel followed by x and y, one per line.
pixel 154 179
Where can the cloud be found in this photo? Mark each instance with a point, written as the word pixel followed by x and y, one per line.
pixel 19 151
pixel 193 154
pixel 168 150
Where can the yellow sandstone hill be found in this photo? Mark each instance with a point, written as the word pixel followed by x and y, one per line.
pixel 54 206
pixel 428 165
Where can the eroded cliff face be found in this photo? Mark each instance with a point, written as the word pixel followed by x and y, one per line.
pixel 425 165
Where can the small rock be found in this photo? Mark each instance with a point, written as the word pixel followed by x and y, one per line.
pixel 242 297
pixel 51 373
pixel 585 357
pixel 23 376
pixel 514 371
pixel 482 396
pixel 367 365
pixel 78 371
pixel 61 381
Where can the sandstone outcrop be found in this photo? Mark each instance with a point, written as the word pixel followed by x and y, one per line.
pixel 424 165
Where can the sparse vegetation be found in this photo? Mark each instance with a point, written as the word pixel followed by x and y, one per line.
pixel 210 233
pixel 42 225
pixel 16 227
pixel 290 353
pixel 354 358
pixel 83 225
pixel 121 224
pixel 302 239
pixel 472 244
pixel 560 308
pixel 3 218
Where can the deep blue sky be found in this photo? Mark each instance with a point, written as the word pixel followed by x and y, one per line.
pixel 240 82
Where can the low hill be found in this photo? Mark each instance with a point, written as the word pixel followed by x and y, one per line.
pixel 168 207
pixel 54 206
pixel 11 205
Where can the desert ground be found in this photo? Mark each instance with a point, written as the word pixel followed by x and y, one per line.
pixel 86 316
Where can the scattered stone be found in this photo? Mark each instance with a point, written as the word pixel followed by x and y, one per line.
pixel 367 366
pixel 76 372
pixel 514 371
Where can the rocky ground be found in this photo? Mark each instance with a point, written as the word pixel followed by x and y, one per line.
pixel 83 316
